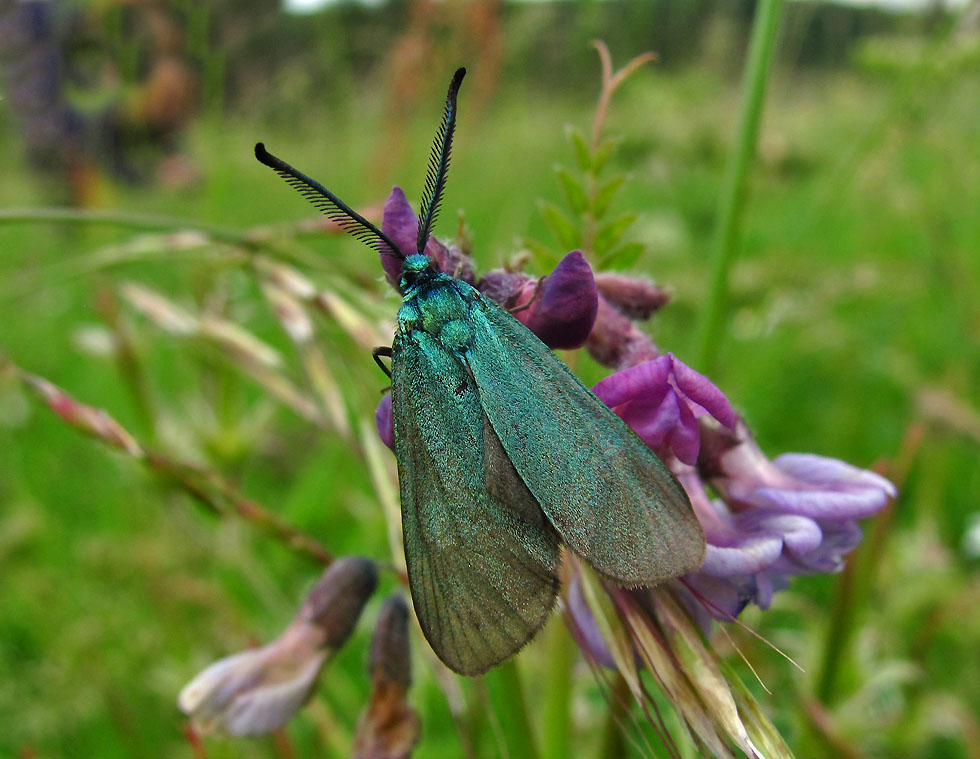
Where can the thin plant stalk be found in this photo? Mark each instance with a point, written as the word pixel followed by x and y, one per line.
pixel 732 198
pixel 505 691
pixel 856 581
pixel 613 733
pixel 208 488
pixel 557 713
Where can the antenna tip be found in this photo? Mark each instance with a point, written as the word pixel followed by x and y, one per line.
pixel 265 157
pixel 457 79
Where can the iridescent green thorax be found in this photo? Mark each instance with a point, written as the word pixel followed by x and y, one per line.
pixel 435 303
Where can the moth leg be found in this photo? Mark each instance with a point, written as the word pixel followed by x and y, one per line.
pixel 377 353
pixel 534 297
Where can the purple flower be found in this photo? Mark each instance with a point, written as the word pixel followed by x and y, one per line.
pixel 559 308
pixel 798 483
pixel 583 625
pixel 662 400
pixel 774 519
pixel 384 421
pixel 402 225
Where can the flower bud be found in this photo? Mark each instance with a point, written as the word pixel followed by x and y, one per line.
pixel 258 691
pixel 634 298
pixel 336 601
pixel 615 341
pixel 559 308
pixel 388 728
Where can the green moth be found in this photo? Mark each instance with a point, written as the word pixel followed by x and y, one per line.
pixel 503 455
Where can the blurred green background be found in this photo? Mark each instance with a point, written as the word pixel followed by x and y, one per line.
pixel 853 330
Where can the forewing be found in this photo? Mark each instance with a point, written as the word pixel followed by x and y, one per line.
pixel 610 498
pixel 482 560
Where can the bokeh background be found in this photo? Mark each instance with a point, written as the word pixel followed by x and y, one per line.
pixel 852 330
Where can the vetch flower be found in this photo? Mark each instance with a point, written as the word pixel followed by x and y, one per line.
pixel 662 400
pixel 559 308
pixel 800 483
pixel 258 691
pixel 793 515
pixel 388 728
pixel 773 519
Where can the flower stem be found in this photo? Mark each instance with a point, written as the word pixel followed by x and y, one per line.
pixel 207 487
pixel 558 693
pixel 506 696
pixel 732 196
pixel 613 740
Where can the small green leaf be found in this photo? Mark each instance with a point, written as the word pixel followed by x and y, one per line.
pixel 582 153
pixel 561 226
pixel 603 154
pixel 611 232
pixel 572 188
pixel 605 195
pixel 624 257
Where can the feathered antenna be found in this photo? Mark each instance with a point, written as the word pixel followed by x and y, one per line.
pixel 335 209
pixel 435 181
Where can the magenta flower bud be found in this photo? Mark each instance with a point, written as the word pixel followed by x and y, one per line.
pixel 662 400
pixel 559 308
pixel 402 225
pixel 615 341
pixel 384 421
pixel 562 306
pixel 636 299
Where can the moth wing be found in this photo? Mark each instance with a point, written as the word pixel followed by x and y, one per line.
pixel 608 495
pixel 482 559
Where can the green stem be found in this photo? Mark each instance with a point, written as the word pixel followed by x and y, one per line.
pixel 732 197
pixel 838 633
pixel 613 740
pixel 506 696
pixel 558 693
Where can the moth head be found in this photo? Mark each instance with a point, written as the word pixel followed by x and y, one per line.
pixel 413 267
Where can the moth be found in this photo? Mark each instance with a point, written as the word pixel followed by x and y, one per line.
pixel 503 455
